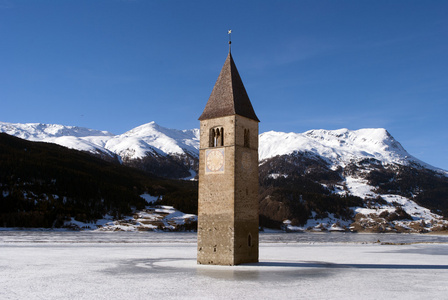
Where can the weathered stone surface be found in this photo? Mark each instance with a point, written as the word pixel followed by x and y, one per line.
pixel 228 194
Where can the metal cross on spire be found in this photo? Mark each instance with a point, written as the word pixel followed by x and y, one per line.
pixel 230 37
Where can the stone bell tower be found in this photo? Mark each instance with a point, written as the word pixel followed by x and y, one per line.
pixel 228 174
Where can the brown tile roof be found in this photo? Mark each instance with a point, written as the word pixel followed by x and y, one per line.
pixel 229 97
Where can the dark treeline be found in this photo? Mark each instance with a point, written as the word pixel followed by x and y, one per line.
pixel 43 184
pixel 297 197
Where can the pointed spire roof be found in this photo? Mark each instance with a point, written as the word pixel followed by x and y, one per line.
pixel 229 97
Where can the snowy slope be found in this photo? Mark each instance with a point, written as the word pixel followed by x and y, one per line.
pixel 136 143
pixel 74 137
pixel 339 147
pixel 153 138
pixel 40 132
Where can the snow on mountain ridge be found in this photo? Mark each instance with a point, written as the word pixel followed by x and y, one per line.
pixel 340 146
pixel 135 143
pixel 74 137
pixel 39 131
pixel 151 137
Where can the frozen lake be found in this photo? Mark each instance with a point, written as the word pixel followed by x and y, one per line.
pixel 149 265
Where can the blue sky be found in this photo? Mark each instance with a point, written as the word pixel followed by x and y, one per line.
pixel 114 65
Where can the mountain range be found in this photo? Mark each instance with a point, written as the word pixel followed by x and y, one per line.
pixel 320 179
pixel 338 147
pixel 133 144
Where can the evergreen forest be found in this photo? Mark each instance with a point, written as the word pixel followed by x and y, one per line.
pixel 43 184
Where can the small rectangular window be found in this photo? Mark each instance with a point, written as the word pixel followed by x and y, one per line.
pixel 246 138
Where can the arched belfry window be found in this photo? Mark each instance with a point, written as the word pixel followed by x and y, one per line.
pixel 216 137
pixel 246 138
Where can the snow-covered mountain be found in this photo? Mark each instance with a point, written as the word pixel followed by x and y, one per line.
pixel 340 147
pixel 74 137
pixel 152 138
pixel 317 179
pixel 137 143
pixel 367 170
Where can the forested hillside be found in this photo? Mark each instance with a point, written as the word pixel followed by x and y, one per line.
pixel 43 184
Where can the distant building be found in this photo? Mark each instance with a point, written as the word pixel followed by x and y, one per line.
pixel 228 174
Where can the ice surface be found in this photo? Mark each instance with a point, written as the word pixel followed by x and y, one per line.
pixel 89 265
